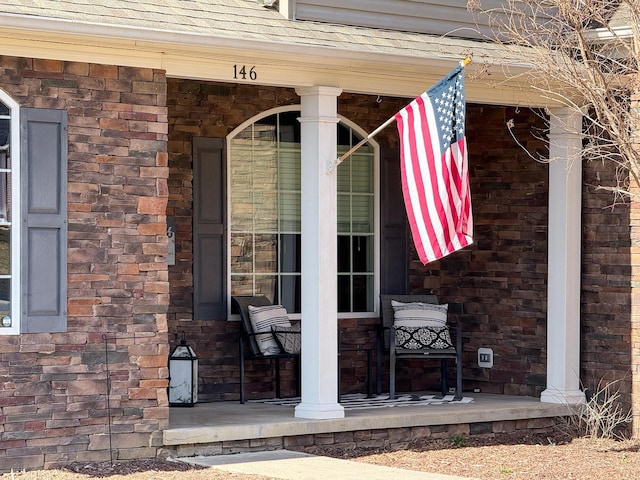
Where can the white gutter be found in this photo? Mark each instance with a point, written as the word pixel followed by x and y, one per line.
pixel 604 34
pixel 207 57
pixel 175 38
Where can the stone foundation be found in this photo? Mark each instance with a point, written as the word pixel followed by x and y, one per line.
pixel 387 439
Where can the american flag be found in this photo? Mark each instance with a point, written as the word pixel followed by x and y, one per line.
pixel 435 171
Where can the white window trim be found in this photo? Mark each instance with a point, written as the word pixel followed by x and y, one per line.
pixel 376 222
pixel 376 213
pixel 14 329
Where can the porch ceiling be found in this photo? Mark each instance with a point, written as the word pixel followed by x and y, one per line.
pixel 194 40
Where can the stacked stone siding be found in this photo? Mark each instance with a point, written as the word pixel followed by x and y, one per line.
pixel 210 110
pixel 375 439
pixel 129 165
pixel 501 279
pixel 53 387
pixel 633 281
pixel 607 285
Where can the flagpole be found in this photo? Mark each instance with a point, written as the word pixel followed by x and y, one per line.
pixel 342 157
pixel 463 63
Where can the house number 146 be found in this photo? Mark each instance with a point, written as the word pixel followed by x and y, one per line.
pixel 241 72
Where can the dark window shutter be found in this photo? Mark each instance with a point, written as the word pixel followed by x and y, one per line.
pixel 394 259
pixel 43 190
pixel 209 256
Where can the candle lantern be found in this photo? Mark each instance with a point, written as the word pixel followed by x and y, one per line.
pixel 183 376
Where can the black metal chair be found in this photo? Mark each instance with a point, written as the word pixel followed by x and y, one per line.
pixel 240 304
pixel 385 340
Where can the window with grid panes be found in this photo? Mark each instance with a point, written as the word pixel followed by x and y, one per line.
pixel 5 217
pixel 265 224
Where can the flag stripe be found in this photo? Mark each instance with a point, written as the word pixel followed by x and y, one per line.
pixel 423 157
pixel 434 169
pixel 415 185
pixel 439 175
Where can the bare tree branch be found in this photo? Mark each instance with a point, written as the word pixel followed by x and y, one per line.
pixel 584 55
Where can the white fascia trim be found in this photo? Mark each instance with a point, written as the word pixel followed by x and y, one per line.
pixel 603 34
pixel 174 38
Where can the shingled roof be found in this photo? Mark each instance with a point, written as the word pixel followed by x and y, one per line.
pixel 241 20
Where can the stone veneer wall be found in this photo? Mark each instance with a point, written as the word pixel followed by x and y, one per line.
pixel 209 110
pixel 634 278
pixel 607 320
pixel 215 109
pixel 53 407
pixel 509 191
pixel 53 386
pixel 501 278
pixel 376 439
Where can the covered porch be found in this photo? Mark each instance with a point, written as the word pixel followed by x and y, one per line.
pixel 523 296
pixel 230 427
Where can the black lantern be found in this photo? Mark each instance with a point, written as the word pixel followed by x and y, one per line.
pixel 183 376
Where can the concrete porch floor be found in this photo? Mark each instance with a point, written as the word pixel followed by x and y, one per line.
pixel 208 423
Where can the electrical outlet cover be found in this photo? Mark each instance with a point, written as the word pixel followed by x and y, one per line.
pixel 485 357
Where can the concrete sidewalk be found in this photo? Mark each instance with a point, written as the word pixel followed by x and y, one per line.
pixel 289 465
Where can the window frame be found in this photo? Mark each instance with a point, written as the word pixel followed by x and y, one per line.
pixel 16 221
pixel 376 207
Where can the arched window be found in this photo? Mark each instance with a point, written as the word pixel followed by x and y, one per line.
pixel 264 210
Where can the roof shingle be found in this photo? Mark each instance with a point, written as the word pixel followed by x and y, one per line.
pixel 237 19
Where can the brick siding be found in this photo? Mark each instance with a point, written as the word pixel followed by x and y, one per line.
pixel 501 279
pixel 378 439
pixel 130 164
pixel 633 281
pixel 606 300
pixel 53 405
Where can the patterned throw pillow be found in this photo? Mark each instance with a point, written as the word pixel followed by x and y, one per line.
pixel 288 338
pixel 418 314
pixel 262 319
pixel 416 338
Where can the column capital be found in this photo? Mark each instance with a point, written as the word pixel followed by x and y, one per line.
pixel 319 90
pixel 318 119
pixel 565 122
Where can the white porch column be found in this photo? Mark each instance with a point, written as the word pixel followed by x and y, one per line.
pixel 319 254
pixel 564 246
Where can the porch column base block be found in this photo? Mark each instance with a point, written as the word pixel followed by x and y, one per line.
pixel 319 411
pixel 567 397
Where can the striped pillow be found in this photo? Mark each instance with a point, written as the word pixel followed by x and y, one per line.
pixel 418 314
pixel 262 319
